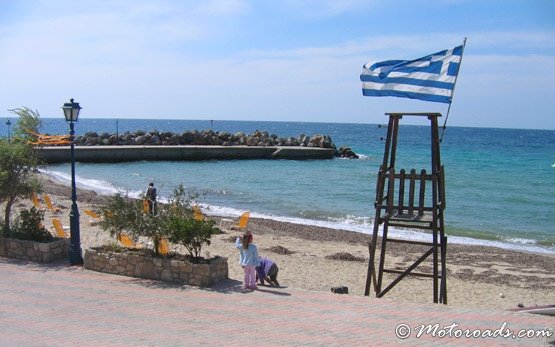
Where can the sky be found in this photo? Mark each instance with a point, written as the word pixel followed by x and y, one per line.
pixel 273 60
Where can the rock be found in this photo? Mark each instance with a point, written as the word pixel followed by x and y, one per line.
pixel 346 152
pixel 139 140
pixel 155 140
pixel 340 290
pixel 520 305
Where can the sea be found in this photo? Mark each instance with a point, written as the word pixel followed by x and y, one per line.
pixel 500 183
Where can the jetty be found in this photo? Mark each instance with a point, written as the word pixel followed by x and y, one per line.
pixel 189 145
pixel 127 153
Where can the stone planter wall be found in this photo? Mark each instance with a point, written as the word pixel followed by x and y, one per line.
pixel 170 270
pixel 34 251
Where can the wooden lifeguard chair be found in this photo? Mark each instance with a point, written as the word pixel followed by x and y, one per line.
pixel 410 200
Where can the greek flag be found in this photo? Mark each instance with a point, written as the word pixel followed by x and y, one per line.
pixel 431 78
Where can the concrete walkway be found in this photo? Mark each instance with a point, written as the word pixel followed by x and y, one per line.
pixel 59 305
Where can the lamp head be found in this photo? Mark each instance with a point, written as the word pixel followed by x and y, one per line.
pixel 71 110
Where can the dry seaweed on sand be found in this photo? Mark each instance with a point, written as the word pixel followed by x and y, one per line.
pixel 344 256
pixel 280 250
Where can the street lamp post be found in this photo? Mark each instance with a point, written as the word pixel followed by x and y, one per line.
pixel 71 113
pixel 8 123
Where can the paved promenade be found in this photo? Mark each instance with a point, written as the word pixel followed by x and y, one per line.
pixel 59 305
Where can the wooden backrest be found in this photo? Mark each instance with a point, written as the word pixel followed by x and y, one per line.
pixel 410 193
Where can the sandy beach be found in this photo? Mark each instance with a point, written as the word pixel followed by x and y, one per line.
pixel 478 276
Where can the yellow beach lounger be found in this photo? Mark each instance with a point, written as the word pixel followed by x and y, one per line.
pixel 50 205
pixel 95 217
pixel 126 241
pixel 36 201
pixel 241 224
pixel 60 230
pixel 197 214
pixel 163 247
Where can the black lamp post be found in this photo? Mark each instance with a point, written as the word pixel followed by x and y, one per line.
pixel 71 112
pixel 8 123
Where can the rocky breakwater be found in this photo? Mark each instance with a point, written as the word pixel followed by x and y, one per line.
pixel 202 138
pixel 190 146
pixel 211 138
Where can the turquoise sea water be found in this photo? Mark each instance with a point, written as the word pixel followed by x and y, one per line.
pixel 500 183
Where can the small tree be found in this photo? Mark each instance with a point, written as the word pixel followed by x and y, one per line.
pixel 28 124
pixel 18 163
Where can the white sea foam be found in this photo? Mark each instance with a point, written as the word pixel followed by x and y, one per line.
pixel 99 186
pixel 350 223
pixel 363 157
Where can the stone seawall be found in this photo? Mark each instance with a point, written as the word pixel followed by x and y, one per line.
pixel 115 154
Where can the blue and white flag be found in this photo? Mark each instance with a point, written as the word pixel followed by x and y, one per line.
pixel 431 78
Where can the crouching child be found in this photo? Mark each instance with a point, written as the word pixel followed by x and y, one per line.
pixel 267 271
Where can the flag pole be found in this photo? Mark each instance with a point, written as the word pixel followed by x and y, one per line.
pixel 452 94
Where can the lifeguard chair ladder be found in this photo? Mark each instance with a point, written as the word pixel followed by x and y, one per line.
pixel 410 200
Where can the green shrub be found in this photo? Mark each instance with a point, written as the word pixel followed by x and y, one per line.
pixel 192 234
pixel 173 221
pixel 29 226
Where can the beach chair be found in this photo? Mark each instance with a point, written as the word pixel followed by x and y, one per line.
pixel 197 214
pixel 36 201
pixel 49 204
pixel 241 224
pixel 163 247
pixel 95 217
pixel 126 241
pixel 60 229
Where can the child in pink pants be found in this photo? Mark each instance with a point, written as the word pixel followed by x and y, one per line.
pixel 248 259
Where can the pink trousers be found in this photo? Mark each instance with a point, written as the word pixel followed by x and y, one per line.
pixel 250 277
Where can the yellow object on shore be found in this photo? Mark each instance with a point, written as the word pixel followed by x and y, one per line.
pixel 197 214
pixel 95 217
pixel 163 247
pixel 60 232
pixel 241 224
pixel 49 204
pixel 36 201
pixel 127 242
